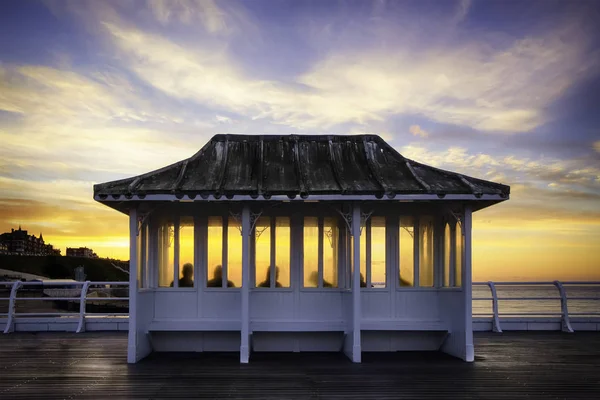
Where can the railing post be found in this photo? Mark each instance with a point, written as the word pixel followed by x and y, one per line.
pixel 565 322
pixel 10 325
pixel 82 302
pixel 496 320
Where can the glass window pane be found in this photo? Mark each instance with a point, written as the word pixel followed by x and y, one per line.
pixel 186 252
pixel 215 252
pixel 330 252
pixel 282 251
pixel 426 251
pixel 140 260
pixel 363 256
pixel 378 248
pixel 262 248
pixel 234 253
pixel 311 249
pixel 407 258
pixel 166 251
pixel 447 255
pixel 459 256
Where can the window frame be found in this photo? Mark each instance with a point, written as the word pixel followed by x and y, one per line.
pixel 272 255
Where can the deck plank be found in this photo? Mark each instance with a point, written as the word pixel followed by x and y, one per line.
pixel 93 365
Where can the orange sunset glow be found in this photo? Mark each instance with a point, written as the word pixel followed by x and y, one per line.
pixel 92 92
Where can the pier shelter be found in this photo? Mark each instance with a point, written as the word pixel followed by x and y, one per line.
pixel 300 243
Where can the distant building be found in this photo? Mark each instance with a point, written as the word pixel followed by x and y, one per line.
pixel 80 252
pixel 21 243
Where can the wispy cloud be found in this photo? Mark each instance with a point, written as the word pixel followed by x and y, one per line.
pixel 416 130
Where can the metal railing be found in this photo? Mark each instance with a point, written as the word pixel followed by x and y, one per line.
pixel 79 292
pixel 70 291
pixel 562 296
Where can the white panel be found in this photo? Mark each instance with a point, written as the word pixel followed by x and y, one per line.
pixel 225 304
pixel 418 304
pixel 175 304
pixel 271 304
pixel 376 304
pixel 320 305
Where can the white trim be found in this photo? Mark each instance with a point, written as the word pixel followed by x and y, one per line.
pixel 337 197
pixel 467 283
pixel 132 335
pixel 245 329
pixel 356 306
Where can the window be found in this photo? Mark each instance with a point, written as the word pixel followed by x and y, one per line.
pixel 166 252
pixel 407 252
pixel 377 252
pixel 321 237
pixel 272 247
pixel 214 247
pixel 233 270
pixel 426 251
pixel 459 256
pixel 446 253
pixel 186 252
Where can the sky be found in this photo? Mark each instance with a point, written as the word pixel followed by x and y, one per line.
pixel 506 91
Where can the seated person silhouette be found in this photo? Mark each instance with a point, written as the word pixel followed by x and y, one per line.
pixel 404 282
pixel 314 279
pixel 188 273
pixel 362 280
pixel 267 281
pixel 217 280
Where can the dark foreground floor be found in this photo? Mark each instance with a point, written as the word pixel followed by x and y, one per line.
pixel 93 365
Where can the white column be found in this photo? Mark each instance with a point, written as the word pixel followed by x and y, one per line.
pixel 133 264
pixel 356 309
pixel 467 284
pixel 245 331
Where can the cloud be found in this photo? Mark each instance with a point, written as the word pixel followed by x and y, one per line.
pixel 472 84
pixel 597 146
pixel 416 130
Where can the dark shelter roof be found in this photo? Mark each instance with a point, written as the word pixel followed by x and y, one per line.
pixel 298 165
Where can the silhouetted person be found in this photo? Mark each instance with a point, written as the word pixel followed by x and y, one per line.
pixel 404 282
pixel 267 281
pixel 217 280
pixel 188 273
pixel 314 279
pixel 362 281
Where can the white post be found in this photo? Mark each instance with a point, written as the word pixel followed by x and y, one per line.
pixel 132 338
pixel 496 320
pixel 10 323
pixel 82 298
pixel 565 321
pixel 356 309
pixel 467 284
pixel 245 330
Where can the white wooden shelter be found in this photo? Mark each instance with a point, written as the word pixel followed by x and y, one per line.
pixel 300 243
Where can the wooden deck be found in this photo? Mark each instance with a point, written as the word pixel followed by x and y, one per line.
pixel 93 365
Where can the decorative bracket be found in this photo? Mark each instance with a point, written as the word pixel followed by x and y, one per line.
pixel 410 232
pixel 364 217
pixel 142 220
pixel 458 218
pixel 253 218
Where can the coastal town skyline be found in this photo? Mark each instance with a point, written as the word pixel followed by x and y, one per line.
pixel 504 91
